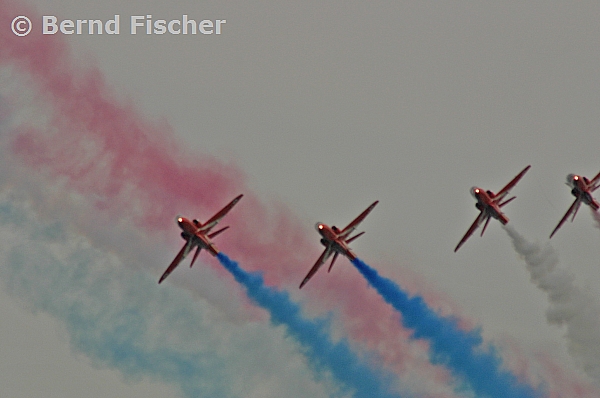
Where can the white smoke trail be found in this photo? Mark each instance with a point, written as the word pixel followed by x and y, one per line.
pixel 597 218
pixel 570 305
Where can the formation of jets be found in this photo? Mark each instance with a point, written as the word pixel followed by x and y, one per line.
pixel 336 241
pixel 489 203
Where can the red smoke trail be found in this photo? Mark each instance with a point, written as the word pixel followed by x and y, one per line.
pixel 562 384
pixel 132 168
pixel 538 368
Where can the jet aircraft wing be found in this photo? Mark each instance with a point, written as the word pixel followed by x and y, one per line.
pixel 480 218
pixel 320 261
pixel 573 209
pixel 595 183
pixel 217 217
pixel 502 193
pixel 180 256
pixel 352 226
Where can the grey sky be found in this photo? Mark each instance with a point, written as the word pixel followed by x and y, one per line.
pixel 328 106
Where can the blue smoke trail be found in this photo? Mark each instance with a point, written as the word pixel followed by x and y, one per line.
pixel 456 349
pixel 324 354
pixel 121 319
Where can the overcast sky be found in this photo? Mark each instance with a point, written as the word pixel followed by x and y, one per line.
pixel 328 106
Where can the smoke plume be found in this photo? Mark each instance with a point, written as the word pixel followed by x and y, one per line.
pixel 570 306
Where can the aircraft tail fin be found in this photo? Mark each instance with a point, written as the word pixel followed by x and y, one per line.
pixel 217 232
pixel 354 237
pixel 507 201
pixel 575 211
pixel 195 255
pixel 332 261
pixel 487 221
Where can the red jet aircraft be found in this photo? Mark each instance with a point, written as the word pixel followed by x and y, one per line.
pixel 336 242
pixel 489 205
pixel 197 235
pixel 582 189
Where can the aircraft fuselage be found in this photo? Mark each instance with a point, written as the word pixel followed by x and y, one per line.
pixel 486 203
pixel 331 238
pixel 189 228
pixel 581 189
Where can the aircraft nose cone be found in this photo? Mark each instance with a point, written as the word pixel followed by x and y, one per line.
pixel 572 179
